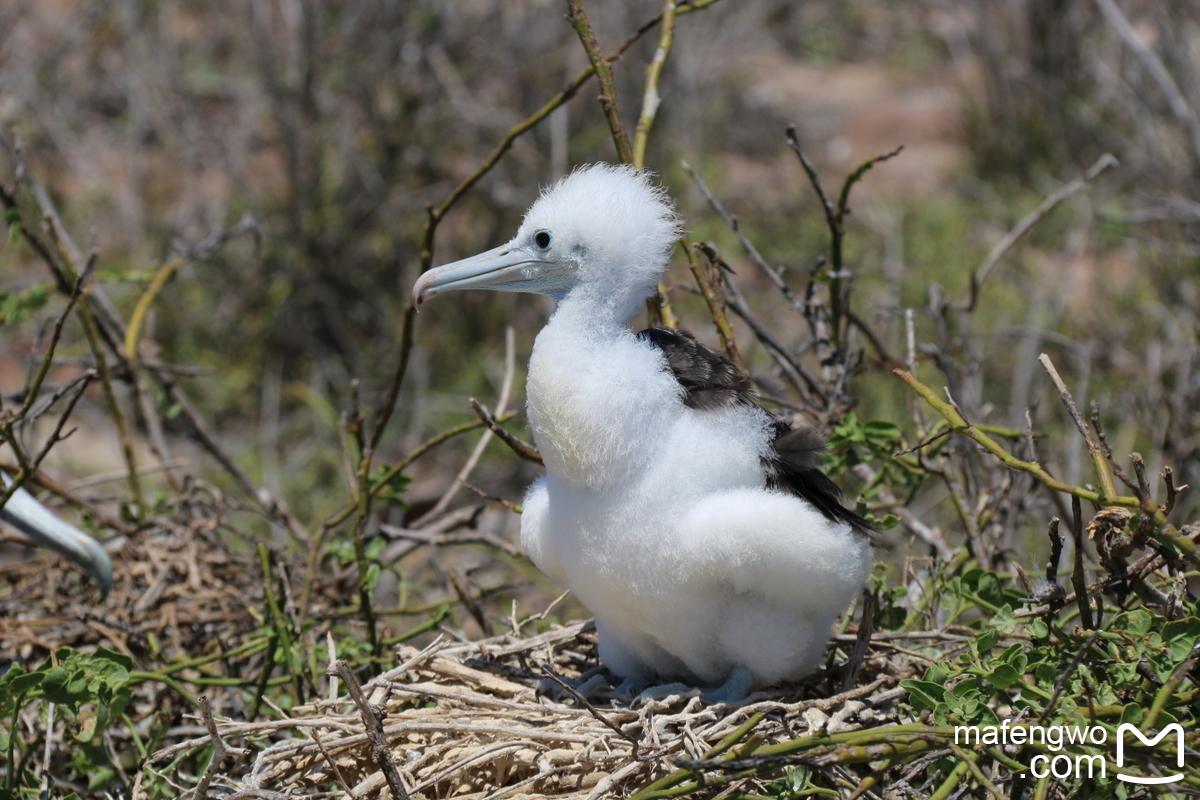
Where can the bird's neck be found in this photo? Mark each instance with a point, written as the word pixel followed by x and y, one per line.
pixel 598 310
pixel 582 388
pixel 587 314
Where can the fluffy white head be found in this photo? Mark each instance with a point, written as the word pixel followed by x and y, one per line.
pixel 601 235
pixel 611 225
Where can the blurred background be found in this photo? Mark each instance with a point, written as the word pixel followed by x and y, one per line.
pixel 289 151
pixel 252 186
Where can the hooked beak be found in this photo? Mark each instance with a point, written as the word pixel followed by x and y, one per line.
pixel 502 268
pixel 33 519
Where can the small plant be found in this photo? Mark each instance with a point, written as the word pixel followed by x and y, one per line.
pixel 86 692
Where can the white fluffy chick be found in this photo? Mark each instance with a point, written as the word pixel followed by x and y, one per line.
pixel 697 528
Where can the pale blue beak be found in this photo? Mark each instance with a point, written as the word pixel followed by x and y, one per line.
pixel 507 268
pixel 33 519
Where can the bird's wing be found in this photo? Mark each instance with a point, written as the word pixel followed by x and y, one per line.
pixel 711 381
pixel 795 465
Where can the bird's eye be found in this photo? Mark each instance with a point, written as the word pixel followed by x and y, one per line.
pixel 542 239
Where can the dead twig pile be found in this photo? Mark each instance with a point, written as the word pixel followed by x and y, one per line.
pixel 473 720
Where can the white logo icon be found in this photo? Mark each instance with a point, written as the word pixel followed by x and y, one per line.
pixel 1174 727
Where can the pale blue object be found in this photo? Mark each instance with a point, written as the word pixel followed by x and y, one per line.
pixel 37 522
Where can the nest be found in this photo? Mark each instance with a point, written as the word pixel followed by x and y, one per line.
pixel 482 720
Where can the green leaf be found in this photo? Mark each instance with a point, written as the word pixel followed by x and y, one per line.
pixel 373 571
pixel 924 694
pixel 1138 622
pixel 1046 674
pixel 1014 656
pixel 985 641
pixel 937 673
pixel 881 429
pixel 1004 676
pixel 375 547
pixel 1004 621
pixel 15 307
pixel 55 685
pixel 100 778
pixel 1181 636
pixel 1132 713
pixel 15 685
pixel 342 550
pixel 990 590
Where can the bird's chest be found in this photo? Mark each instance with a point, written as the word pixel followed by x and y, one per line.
pixel 591 419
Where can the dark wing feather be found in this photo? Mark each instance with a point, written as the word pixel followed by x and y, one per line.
pixel 711 381
pixel 795 465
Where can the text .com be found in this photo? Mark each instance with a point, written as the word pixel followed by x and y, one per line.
pixel 1062 765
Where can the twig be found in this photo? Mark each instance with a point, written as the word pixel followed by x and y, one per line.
pixel 1056 548
pixel 633 742
pixel 831 218
pixel 134 331
pixel 481 445
pixel 1078 580
pixel 394 470
pixel 796 375
pixel 56 435
pixel 31 393
pixel 1139 469
pixel 650 97
pixel 207 438
pixel 469 599
pixel 714 297
pixel 1107 487
pixel 752 251
pixel 835 218
pixel 69 265
pixel 1168 476
pixel 1028 221
pixel 522 449
pixel 511 506
pixel 960 425
pixel 381 752
pixel 608 92
pixel 441 538
pixel 438 212
pixel 220 750
pixel 48 750
pixel 1164 530
pixel 1175 98
pixel 866 625
pixel 1108 453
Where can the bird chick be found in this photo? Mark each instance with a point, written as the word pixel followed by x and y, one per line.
pixel 698 529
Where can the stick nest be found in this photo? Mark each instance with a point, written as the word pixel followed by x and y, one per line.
pixel 476 720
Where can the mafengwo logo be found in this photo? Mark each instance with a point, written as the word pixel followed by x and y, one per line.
pixel 1173 729
pixel 1063 764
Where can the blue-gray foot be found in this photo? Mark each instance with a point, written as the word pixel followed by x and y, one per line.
pixel 733 690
